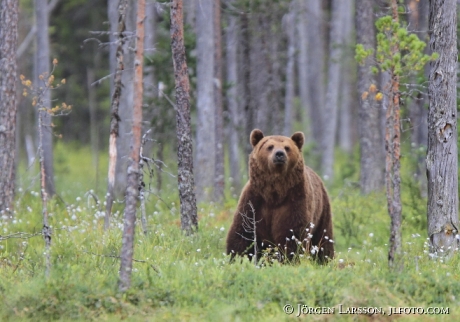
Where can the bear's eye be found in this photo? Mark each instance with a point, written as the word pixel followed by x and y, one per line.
pixel 287 148
pixel 270 147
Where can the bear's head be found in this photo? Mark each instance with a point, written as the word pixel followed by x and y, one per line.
pixel 276 154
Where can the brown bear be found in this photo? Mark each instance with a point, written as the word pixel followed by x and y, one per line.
pixel 285 199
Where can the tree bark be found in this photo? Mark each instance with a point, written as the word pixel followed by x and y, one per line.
pixel 418 111
pixel 316 62
pixel 276 60
pixel 219 178
pixel 289 20
pixel 42 67
pixel 330 110
pixel 249 113
pixel 260 65
pixel 205 130
pixel 303 69
pixel 188 211
pixel 442 159
pixel 371 176
pixel 132 190
pixel 114 117
pixel 31 35
pixel 190 12
pixel 150 79
pixel 113 15
pixel 347 121
pixel 94 129
pixel 126 101
pixel 393 148
pixel 8 105
pixel 231 42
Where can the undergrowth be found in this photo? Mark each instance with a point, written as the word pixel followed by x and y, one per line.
pixel 180 278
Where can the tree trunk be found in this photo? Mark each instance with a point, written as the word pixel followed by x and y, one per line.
pixel 113 15
pixel 371 177
pixel 260 65
pixel 418 111
pixel 276 60
pixel 190 12
pixel 126 101
pixel 205 130
pixel 114 117
pixel 231 41
pixel 8 105
pixel 25 45
pixel 42 67
pixel 94 131
pixel 188 211
pixel 348 81
pixel 441 159
pixel 219 178
pixel 249 112
pixel 316 62
pixel 393 148
pixel 303 69
pixel 132 190
pixel 150 82
pixel 289 20
pixel 330 110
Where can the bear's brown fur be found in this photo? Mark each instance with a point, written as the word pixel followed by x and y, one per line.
pixel 289 200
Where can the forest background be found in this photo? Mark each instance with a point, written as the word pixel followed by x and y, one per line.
pixel 280 66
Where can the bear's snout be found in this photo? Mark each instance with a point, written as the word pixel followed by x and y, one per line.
pixel 279 157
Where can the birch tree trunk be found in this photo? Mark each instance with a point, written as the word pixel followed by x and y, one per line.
pixel 8 104
pixel 330 109
pixel 205 130
pixel 219 179
pixel 43 67
pixel 231 43
pixel 188 211
pixel 370 139
pixel 132 190
pixel 442 159
pixel 114 117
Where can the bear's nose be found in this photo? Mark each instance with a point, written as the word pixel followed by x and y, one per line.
pixel 280 157
pixel 279 154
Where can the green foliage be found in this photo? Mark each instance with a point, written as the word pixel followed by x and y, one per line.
pixel 180 277
pixel 361 53
pixel 398 51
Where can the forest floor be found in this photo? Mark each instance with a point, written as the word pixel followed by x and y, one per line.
pixel 189 278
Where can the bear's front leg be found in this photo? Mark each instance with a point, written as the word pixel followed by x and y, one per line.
pixel 288 244
pixel 239 241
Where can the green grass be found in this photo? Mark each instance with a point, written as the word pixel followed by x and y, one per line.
pixel 180 278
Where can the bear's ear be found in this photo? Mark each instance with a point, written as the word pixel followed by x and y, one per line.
pixel 299 139
pixel 256 136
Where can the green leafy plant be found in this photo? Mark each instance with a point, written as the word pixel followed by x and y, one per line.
pixel 410 57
